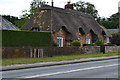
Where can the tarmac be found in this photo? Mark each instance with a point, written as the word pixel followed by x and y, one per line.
pixel 44 64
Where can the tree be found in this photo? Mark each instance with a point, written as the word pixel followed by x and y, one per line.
pixel 34 6
pixel 86 7
pixel 12 19
pixel 110 23
pixel 21 22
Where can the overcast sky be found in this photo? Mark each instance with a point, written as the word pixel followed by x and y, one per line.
pixel 15 7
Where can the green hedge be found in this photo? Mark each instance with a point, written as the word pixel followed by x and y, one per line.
pixel 76 43
pixel 89 44
pixel 98 45
pixel 25 38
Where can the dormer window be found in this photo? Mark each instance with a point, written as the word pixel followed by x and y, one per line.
pixel 81 31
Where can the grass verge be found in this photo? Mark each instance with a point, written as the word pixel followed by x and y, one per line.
pixel 6 62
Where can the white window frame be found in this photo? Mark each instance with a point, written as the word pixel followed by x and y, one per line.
pixel 60 41
pixel 88 40
pixel 107 40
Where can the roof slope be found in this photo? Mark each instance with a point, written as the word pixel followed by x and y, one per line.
pixel 71 19
pixel 5 24
pixel 112 31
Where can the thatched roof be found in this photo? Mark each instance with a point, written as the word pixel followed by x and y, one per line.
pixel 112 31
pixel 72 20
pixel 5 24
pixel 106 31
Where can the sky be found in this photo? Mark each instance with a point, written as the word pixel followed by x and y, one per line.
pixel 15 7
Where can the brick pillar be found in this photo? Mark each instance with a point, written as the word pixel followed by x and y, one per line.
pixel 81 41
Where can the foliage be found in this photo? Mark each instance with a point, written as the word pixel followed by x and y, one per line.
pixel 25 38
pixel 12 19
pixel 115 38
pixel 34 6
pixel 21 22
pixel 110 23
pixel 76 43
pixel 54 44
pixel 89 45
pixel 99 42
pixel 86 7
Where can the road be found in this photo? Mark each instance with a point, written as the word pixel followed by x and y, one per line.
pixel 95 69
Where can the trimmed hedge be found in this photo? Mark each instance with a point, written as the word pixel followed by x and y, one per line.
pixel 89 44
pixel 25 38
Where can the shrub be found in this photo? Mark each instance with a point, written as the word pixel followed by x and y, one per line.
pixel 76 43
pixel 115 39
pixel 25 38
pixel 99 42
pixel 54 44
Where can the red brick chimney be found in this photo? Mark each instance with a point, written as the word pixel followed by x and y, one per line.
pixel 69 6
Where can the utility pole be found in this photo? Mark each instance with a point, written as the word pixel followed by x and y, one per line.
pixel 119 14
pixel 52 3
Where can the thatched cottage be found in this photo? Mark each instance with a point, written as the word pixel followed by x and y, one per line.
pixel 66 25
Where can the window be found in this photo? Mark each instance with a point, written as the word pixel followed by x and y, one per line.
pixel 87 41
pixel 107 40
pixel 59 41
pixel 35 29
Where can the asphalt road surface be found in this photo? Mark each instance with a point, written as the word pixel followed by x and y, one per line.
pixel 95 69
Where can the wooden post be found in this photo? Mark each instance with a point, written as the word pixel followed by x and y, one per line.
pixel 38 53
pixel 31 52
pixel 35 53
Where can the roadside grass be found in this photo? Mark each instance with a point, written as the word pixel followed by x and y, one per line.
pixel 6 62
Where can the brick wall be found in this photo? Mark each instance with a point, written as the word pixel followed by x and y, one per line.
pixel 91 49
pixel 60 33
pixel 24 52
pixel 84 37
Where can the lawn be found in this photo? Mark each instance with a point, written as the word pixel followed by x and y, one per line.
pixel 6 62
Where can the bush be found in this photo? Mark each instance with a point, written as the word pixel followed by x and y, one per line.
pixel 115 39
pixel 76 43
pixel 99 42
pixel 54 44
pixel 25 38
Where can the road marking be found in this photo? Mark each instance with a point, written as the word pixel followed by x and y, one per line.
pixel 62 72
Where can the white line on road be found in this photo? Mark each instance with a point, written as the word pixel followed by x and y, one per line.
pixel 61 72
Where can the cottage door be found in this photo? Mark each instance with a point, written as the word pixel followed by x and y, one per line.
pixel 59 41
